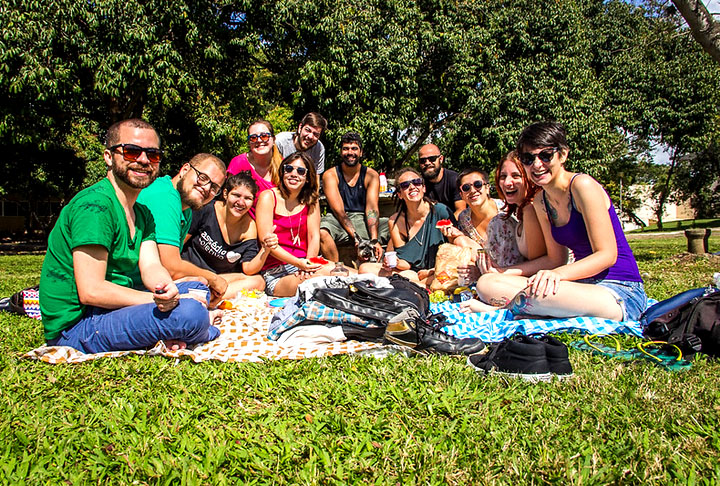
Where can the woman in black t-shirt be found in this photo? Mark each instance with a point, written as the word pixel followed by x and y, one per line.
pixel 223 237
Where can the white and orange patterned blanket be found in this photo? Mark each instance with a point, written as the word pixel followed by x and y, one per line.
pixel 243 338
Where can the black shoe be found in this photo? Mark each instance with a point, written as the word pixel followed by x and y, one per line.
pixel 557 357
pixel 409 330
pixel 517 357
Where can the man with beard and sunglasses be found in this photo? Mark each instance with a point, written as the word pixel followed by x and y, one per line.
pixel 172 201
pixel 102 286
pixel 352 191
pixel 306 140
pixel 440 183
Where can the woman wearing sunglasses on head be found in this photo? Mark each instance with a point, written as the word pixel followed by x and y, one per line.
pixel 574 212
pixel 413 232
pixel 223 237
pixel 263 158
pixel 291 210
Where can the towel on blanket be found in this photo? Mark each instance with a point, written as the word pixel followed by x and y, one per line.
pixel 495 326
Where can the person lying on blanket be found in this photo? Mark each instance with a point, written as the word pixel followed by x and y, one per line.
pixel 574 212
pixel 102 286
pixel 171 202
pixel 291 211
pixel 223 237
pixel 413 230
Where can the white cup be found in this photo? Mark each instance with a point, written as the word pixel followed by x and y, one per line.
pixel 391 259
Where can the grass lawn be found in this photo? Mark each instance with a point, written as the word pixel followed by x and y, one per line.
pixel 140 420
pixel 680 225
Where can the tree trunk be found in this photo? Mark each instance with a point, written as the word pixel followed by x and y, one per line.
pixel 705 29
pixel 665 192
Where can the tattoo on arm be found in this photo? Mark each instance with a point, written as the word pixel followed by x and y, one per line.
pixel 347 223
pixel 372 218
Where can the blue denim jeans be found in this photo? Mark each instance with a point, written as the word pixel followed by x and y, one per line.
pixel 140 326
pixel 630 296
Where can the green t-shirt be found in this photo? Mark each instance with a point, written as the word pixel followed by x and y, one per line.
pixel 93 217
pixel 163 201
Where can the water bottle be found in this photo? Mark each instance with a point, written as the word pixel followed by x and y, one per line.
pixel 339 270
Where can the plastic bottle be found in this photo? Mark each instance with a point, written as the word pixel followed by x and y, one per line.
pixel 716 279
pixel 339 270
pixel 383 182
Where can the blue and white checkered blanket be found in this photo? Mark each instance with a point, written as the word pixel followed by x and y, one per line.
pixel 495 326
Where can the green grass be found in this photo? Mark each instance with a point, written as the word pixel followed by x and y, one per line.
pixel 679 225
pixel 342 420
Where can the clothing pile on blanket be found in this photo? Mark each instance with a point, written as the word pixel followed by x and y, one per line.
pixel 303 328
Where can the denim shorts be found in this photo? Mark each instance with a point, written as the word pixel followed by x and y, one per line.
pixel 630 296
pixel 274 274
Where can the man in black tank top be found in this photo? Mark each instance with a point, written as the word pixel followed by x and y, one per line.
pixel 352 191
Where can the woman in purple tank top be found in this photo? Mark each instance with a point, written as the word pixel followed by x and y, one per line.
pixel 574 212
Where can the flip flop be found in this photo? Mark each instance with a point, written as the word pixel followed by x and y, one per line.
pixel 665 355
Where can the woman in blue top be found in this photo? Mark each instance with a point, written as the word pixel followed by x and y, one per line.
pixel 574 212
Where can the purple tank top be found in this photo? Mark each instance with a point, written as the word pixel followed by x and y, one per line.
pixel 574 236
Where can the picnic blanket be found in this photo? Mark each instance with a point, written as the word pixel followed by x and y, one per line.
pixel 243 337
pixel 495 326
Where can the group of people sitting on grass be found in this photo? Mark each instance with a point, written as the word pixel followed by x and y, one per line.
pixel 136 259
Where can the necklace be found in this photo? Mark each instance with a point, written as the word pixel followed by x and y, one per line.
pixel 295 237
pixel 420 241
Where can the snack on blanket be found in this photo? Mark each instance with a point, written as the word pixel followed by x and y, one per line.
pixel 447 260
pixel 225 305
pixel 319 260
pixel 443 223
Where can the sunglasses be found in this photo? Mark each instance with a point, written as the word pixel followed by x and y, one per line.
pixel 430 158
pixel 545 156
pixel 203 180
pixel 476 184
pixel 288 169
pixel 132 152
pixel 263 137
pixel 415 182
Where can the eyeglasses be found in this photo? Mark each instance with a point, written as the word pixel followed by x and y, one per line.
pixel 545 156
pixel 429 158
pixel 288 169
pixel 203 180
pixel 415 182
pixel 263 137
pixel 132 152
pixel 476 184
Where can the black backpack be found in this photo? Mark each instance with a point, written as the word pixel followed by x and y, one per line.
pixel 365 300
pixel 693 324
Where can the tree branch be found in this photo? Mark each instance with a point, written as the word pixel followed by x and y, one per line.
pixel 705 29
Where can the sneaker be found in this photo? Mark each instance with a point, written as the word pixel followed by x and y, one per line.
pixel 407 329
pixel 516 357
pixel 557 357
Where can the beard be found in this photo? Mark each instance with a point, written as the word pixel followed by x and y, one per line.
pixel 186 196
pixel 350 162
pixel 431 172
pixel 121 172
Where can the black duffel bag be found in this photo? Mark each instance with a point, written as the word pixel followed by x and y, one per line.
pixel 365 300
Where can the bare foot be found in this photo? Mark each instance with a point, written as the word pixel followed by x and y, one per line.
pixel 216 316
pixel 474 305
pixel 175 344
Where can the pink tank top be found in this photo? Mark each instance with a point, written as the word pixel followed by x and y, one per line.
pixel 241 163
pixel 292 233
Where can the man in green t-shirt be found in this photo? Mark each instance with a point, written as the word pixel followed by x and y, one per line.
pixel 171 202
pixel 102 259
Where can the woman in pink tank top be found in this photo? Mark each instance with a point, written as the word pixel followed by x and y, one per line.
pixel 291 210
pixel 262 159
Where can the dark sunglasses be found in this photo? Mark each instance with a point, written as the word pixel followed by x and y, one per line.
pixel 132 152
pixel 203 180
pixel 545 156
pixel 430 158
pixel 415 182
pixel 288 169
pixel 476 184
pixel 263 137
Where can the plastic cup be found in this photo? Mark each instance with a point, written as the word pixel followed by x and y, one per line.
pixel 201 295
pixel 391 259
